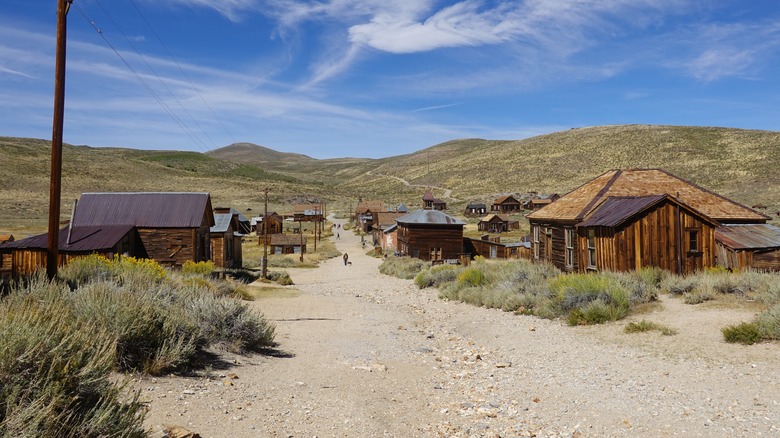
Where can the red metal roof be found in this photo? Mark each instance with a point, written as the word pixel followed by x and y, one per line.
pixel 144 210
pixel 82 239
pixel 753 236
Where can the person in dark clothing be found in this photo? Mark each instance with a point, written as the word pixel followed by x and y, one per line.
pixel 346 258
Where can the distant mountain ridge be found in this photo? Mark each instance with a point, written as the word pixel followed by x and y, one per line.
pixel 736 163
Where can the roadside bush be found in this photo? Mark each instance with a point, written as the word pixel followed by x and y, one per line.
pixel 55 371
pixel 436 276
pixel 402 267
pixel 678 285
pixel 746 333
pixel 197 268
pixel 698 296
pixel 280 277
pixel 471 276
pixel 590 298
pixel 769 323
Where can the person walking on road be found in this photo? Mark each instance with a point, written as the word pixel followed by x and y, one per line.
pixel 346 258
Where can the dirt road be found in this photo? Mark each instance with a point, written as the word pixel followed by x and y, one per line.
pixel 366 355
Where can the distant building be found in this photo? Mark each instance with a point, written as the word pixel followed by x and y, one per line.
pixel 430 235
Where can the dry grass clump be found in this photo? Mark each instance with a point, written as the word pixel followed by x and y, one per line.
pixel 646 326
pixel 402 267
pixel 55 370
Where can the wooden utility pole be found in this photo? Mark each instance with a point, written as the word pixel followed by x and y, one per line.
pixel 55 184
pixel 265 236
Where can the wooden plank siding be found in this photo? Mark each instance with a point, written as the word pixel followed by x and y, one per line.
pixel 733 259
pixel 659 238
pixel 174 246
pixel 418 240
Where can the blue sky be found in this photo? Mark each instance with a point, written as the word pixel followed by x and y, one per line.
pixel 374 78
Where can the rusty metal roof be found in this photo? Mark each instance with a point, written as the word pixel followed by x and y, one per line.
pixel 82 239
pixel 753 236
pixel 430 217
pixel 144 209
pixel 577 204
pixel 617 209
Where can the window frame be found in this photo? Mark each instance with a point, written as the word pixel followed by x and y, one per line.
pixel 591 238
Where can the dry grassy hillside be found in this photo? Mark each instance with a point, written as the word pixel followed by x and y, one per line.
pixel 24 179
pixel 740 164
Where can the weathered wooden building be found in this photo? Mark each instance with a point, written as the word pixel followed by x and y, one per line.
pixel 430 235
pixel 173 226
pixel 539 201
pixel 225 235
pixel 496 223
pixel 629 219
pixel 308 213
pixel 506 204
pixel 492 248
pixel 431 202
pixel 280 244
pixel 387 237
pixel 475 209
pixel 23 257
pixel 381 221
pixel 274 221
pixel 752 246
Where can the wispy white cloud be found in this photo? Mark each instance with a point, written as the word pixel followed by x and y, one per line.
pixel 232 9
pixel 435 107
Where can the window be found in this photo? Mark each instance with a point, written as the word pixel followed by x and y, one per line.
pixel 569 237
pixel 436 253
pixel 592 248
pixel 536 241
pixel 693 240
pixel 493 252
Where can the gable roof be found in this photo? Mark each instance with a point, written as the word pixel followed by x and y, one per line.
pixel 144 209
pixel 505 199
pixel 476 206
pixel 82 239
pixel 494 216
pixel 364 206
pixel 752 236
pixel 578 203
pixel 431 217
pixel 6 238
pixel 222 222
pixel 385 218
pixel 286 240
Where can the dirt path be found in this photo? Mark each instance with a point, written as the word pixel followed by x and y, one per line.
pixel 364 355
pixel 447 192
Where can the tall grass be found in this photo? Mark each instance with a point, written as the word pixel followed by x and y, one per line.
pixel 402 267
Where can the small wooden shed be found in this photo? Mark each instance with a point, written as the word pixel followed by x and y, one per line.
pixel 496 223
pixel 751 246
pixel 475 208
pixel 225 235
pixel 280 244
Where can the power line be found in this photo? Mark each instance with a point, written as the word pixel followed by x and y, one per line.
pixel 143 82
pixel 194 88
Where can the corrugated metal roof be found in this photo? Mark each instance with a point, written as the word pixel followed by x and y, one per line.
pixel 82 239
pixel 144 209
pixel 753 236
pixel 434 217
pixel 402 208
pixel 578 203
pixel 617 209
pixel 222 222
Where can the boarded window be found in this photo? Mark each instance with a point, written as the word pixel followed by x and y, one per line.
pixel 693 240
pixel 436 253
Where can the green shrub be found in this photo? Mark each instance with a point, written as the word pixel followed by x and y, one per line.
pixel 436 276
pixel 746 333
pixel 280 277
pixel 769 323
pixel 678 285
pixel 698 297
pixel 402 267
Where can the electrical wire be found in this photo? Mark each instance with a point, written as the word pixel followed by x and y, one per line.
pixel 143 82
pixel 170 55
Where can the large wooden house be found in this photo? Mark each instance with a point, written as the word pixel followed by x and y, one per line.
pixel 225 238
pixel 430 235
pixel 629 219
pixel 752 246
pixel 506 204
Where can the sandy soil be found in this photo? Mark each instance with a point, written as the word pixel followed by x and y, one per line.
pixel 366 355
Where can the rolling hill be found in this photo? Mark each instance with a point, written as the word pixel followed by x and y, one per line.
pixel 740 164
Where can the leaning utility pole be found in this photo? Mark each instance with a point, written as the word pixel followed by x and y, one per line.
pixel 265 236
pixel 55 184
